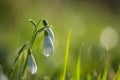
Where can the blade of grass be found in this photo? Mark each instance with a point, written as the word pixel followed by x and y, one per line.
pixel 104 76
pixel 78 68
pixel 118 74
pixel 88 76
pixel 99 77
pixel 66 55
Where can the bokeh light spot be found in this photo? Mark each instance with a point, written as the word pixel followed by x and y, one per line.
pixel 109 37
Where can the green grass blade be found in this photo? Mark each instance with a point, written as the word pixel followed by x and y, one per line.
pixel 104 76
pixel 78 68
pixel 118 74
pixel 88 76
pixel 99 77
pixel 66 55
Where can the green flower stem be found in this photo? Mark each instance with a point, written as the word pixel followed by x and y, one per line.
pixel 19 53
pixel 33 39
pixel 25 65
pixel 30 47
pixel 40 30
pixel 39 22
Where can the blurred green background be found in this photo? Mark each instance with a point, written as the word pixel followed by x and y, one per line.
pixel 93 24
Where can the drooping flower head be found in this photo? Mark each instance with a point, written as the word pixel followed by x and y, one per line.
pixel 31 63
pixel 48 40
pixel 48 45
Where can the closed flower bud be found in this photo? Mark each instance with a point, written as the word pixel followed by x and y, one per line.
pixel 48 45
pixel 32 64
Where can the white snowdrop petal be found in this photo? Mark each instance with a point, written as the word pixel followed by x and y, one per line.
pixel 50 33
pixel 32 64
pixel 48 46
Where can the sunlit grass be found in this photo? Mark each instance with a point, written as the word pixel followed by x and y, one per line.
pixel 66 55
pixel 104 77
pixel 118 74
pixel 88 76
pixel 78 68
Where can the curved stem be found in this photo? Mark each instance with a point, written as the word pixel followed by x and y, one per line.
pixel 33 39
pixel 39 22
pixel 35 34
pixel 40 30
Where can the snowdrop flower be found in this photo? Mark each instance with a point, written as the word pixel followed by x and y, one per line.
pixel 48 44
pixel 32 64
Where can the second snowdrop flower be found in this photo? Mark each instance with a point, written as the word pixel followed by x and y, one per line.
pixel 31 63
